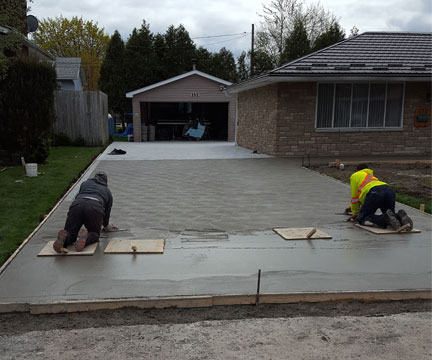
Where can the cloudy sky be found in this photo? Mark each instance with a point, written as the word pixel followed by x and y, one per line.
pixel 231 17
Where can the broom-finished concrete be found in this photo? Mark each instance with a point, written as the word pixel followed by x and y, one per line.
pixel 216 205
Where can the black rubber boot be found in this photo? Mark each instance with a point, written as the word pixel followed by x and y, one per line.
pixel 405 219
pixel 392 219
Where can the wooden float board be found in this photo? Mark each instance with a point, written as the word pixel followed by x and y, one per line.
pixel 142 246
pixel 301 233
pixel 49 251
pixel 389 230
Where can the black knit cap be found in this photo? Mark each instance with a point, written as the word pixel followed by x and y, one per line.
pixel 102 177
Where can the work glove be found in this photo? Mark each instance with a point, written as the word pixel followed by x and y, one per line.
pixel 109 228
pixel 352 218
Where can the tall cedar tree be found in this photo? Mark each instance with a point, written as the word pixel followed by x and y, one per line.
pixel 332 36
pixel 140 59
pixel 75 38
pixel 179 51
pixel 223 65
pixel 297 43
pixel 111 79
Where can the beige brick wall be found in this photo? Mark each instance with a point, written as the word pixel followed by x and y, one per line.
pixel 257 119
pixel 291 118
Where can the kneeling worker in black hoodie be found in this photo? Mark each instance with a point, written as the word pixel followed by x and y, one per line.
pixel 91 208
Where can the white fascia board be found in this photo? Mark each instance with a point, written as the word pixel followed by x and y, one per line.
pixel 130 94
pixel 327 78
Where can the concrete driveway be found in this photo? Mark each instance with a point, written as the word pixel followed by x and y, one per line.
pixel 216 205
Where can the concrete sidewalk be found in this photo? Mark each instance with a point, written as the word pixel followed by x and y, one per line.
pixel 217 212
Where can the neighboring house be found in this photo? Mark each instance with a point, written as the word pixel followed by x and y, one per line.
pixel 368 95
pixel 162 110
pixel 29 48
pixel 70 74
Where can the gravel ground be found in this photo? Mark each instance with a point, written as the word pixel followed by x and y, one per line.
pixel 375 330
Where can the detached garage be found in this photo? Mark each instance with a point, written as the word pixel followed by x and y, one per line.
pixel 165 110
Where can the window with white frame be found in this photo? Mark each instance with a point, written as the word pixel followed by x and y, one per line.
pixel 359 105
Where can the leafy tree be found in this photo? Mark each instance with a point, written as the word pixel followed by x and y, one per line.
pixel 262 62
pixel 204 60
pixel 75 38
pixel 111 79
pixel 354 31
pixel 243 66
pixel 13 16
pixel 279 20
pixel 223 65
pixel 140 59
pixel 332 36
pixel 297 43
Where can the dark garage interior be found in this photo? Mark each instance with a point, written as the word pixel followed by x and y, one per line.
pixel 173 119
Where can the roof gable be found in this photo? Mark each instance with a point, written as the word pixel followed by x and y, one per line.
pixel 176 78
pixel 68 68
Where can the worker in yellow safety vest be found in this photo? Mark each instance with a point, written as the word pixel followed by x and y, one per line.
pixel 368 194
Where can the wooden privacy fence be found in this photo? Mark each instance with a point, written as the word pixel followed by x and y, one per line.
pixel 82 115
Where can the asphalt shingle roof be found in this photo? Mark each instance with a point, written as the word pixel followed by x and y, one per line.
pixel 68 68
pixel 371 53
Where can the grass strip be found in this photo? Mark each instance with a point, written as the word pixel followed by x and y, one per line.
pixel 414 202
pixel 25 201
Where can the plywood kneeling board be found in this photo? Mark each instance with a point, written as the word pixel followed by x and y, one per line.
pixel 140 246
pixel 389 230
pixel 301 233
pixel 49 251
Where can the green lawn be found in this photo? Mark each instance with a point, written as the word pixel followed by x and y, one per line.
pixel 24 203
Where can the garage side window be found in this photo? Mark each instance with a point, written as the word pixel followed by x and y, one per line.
pixel 359 105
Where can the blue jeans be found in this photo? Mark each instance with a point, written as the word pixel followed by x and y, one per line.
pixel 379 197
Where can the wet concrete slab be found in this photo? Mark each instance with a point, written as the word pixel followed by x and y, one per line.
pixel 217 216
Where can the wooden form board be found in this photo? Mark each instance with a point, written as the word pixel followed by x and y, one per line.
pixel 140 246
pixel 389 230
pixel 49 251
pixel 301 233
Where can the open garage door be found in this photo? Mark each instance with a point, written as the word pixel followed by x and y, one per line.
pixel 173 119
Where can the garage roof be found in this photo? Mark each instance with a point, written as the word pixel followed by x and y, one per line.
pixel 371 55
pixel 130 94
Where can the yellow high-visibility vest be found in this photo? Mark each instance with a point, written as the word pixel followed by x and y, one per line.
pixel 361 182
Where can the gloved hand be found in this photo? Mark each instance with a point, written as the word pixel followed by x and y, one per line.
pixel 352 218
pixel 109 228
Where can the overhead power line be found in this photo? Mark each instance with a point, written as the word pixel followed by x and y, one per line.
pixel 216 36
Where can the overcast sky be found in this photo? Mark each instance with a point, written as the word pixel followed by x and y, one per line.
pixel 221 17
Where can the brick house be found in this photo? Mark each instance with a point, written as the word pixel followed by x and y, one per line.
pixel 368 95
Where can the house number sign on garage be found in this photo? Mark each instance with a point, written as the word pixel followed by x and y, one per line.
pixel 195 94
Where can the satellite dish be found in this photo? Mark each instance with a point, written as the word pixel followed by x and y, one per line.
pixel 32 23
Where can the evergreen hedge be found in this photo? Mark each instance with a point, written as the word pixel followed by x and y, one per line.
pixel 27 109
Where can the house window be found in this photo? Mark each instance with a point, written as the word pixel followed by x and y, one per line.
pixel 359 105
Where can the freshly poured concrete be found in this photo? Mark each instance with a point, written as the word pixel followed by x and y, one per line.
pixel 217 217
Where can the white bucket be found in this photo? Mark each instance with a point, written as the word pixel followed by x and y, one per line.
pixel 31 169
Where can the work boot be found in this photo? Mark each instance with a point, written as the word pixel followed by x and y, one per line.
pixel 405 219
pixel 392 219
pixel 59 243
pixel 81 240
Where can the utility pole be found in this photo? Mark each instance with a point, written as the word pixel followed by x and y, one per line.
pixel 252 55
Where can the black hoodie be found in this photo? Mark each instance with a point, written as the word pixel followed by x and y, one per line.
pixel 97 188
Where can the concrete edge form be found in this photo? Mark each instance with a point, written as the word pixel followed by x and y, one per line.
pixel 215 300
pixel 56 205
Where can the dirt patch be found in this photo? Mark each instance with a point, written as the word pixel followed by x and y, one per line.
pixel 411 179
pixel 18 323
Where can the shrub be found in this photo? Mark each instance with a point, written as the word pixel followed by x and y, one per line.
pixel 61 139
pixel 27 108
